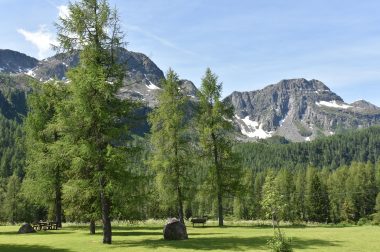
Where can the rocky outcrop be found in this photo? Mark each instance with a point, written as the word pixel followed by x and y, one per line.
pixel 26 228
pixel 175 230
pixel 299 110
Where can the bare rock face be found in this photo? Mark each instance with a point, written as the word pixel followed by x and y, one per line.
pixel 26 228
pixel 175 230
pixel 299 110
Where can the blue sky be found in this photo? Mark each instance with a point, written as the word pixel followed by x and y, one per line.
pixel 248 43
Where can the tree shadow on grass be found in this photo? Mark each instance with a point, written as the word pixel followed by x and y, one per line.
pixel 158 233
pixel 136 228
pixel 29 248
pixel 134 233
pixel 49 232
pixel 221 243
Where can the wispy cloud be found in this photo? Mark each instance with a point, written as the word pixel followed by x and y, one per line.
pixel 42 39
pixel 159 39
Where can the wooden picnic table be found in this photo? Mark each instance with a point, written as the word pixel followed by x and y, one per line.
pixel 45 225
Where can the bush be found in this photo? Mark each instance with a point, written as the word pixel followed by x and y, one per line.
pixel 363 221
pixel 376 219
pixel 279 243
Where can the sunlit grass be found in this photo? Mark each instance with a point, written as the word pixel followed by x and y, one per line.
pixel 237 236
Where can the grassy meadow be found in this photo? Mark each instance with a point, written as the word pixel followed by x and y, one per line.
pixel 148 237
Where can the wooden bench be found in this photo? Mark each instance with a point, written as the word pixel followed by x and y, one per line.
pixel 198 221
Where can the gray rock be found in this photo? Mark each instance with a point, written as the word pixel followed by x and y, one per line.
pixel 299 110
pixel 175 230
pixel 26 228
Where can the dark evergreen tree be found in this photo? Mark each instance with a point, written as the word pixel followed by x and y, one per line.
pixel 316 198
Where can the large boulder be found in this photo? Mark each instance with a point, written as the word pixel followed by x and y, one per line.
pixel 175 230
pixel 26 228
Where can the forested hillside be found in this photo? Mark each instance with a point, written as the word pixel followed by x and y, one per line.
pixel 329 152
pixel 12 111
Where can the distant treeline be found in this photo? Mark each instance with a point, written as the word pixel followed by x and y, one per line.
pixel 346 194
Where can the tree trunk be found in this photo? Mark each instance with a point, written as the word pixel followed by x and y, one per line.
pixel 179 192
pixel 220 208
pixel 92 227
pixel 218 181
pixel 58 206
pixel 180 205
pixel 58 192
pixel 106 206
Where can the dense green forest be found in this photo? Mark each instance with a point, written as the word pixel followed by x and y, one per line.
pixel 329 152
pixel 13 109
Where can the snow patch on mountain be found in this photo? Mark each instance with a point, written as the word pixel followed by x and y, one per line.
pixel 333 104
pixel 252 128
pixel 31 73
pixel 151 86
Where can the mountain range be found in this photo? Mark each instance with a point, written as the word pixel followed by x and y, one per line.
pixel 297 109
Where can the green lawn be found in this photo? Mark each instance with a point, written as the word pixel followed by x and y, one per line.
pixel 233 238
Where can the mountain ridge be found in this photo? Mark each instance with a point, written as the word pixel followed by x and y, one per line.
pixel 297 109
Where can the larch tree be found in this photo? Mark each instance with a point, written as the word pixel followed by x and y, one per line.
pixel 170 143
pixel 214 127
pixel 94 117
pixel 46 163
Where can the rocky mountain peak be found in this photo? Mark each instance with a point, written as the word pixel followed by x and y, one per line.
pixel 299 110
pixel 301 84
pixel 364 105
pixel 15 62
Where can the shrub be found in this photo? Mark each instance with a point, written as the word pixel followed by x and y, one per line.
pixel 279 243
pixel 363 221
pixel 376 219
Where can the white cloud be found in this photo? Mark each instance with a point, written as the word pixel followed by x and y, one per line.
pixel 63 11
pixel 42 39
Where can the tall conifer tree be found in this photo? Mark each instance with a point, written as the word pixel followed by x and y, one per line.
pixel 93 121
pixel 170 141
pixel 46 163
pixel 214 126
